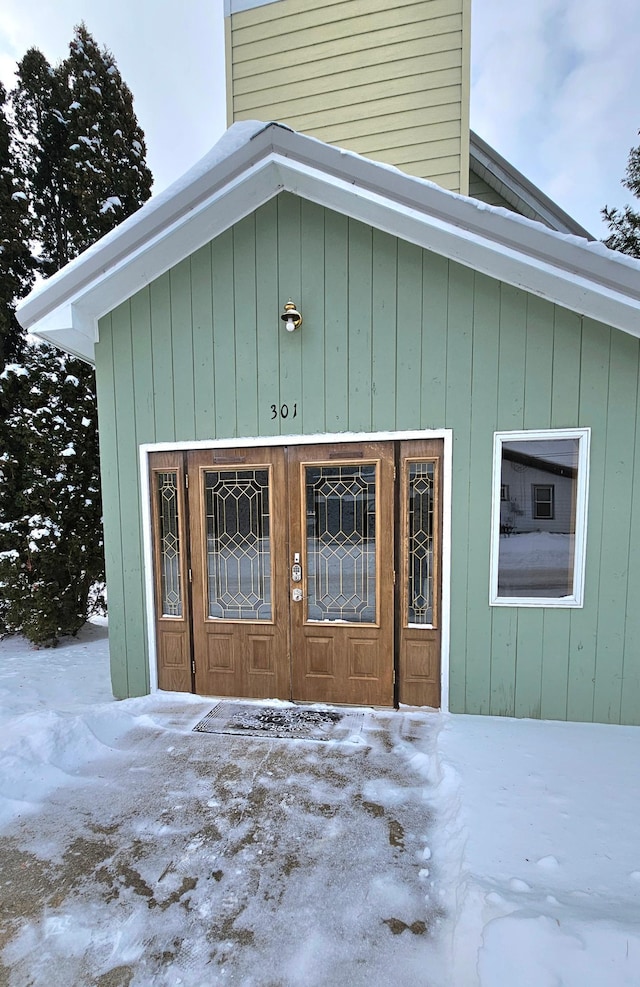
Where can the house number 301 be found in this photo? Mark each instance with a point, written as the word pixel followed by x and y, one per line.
pixel 284 410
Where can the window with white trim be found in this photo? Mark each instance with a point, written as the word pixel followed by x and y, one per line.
pixel 538 530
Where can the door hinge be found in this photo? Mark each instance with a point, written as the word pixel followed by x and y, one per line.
pixel 394 577
pixel 186 480
pixel 394 676
pixel 190 576
pixel 193 666
pixel 395 473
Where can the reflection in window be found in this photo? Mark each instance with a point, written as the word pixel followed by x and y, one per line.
pixel 541 518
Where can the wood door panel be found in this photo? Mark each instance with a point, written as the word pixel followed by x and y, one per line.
pixel 220 654
pixel 363 659
pixel 419 647
pixel 234 656
pixel 343 660
pixel 319 657
pixel 173 629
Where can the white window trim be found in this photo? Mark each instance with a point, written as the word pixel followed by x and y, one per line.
pixel 584 439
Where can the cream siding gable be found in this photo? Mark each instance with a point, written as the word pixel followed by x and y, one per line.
pixel 388 81
pixel 478 189
pixel 494 180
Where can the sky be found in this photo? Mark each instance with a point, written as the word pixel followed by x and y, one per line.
pixel 554 82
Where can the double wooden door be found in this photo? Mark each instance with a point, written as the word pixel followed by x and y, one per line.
pixel 304 572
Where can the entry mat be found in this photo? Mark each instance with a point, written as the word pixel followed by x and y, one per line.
pixel 281 722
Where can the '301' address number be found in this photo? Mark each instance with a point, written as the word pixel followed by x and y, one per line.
pixel 284 410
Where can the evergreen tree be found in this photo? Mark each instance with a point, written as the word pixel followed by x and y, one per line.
pixel 16 265
pixel 81 148
pixel 625 223
pixel 53 552
pixel 108 176
pixel 82 155
pixel 41 139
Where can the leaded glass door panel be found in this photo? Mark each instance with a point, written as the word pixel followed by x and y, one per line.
pixel 240 605
pixel 170 544
pixel 420 553
pixel 341 531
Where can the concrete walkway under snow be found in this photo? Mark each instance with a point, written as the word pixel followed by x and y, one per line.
pixel 200 859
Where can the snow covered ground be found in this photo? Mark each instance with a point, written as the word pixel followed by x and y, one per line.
pixel 427 850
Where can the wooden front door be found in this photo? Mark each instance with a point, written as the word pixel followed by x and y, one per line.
pixel 341 527
pixel 238 528
pixel 307 572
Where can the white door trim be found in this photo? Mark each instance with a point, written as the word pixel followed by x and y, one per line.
pixel 446 434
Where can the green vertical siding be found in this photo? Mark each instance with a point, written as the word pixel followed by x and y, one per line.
pixel 336 310
pixel 360 321
pixel 267 305
pixel 474 677
pixel 311 413
pixel 384 290
pixel 202 315
pixel 457 392
pixel 631 662
pixel 594 388
pixel 614 558
pixel 393 338
pixel 111 510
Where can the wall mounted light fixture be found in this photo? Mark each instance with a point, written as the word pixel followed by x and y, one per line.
pixel 291 317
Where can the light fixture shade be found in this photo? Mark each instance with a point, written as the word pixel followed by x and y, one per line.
pixel 291 317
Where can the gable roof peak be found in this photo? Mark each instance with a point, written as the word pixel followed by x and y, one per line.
pixel 253 162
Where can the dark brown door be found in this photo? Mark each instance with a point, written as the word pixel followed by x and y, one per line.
pixel 308 572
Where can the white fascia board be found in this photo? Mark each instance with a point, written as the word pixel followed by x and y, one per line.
pixel 77 319
pixel 562 285
pixel 547 267
pixel 231 155
pixel 65 327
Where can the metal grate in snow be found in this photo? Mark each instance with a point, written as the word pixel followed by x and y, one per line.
pixel 281 722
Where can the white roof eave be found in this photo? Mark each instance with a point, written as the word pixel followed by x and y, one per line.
pixel 73 324
pixel 586 278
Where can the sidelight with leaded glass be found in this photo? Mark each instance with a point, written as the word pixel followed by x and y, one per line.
pixel 170 582
pixel 420 536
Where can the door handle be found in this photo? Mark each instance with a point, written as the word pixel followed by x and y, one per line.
pixel 296 569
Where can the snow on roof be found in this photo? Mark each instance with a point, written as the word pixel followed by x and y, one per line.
pixel 515 188
pixel 255 161
pixel 233 139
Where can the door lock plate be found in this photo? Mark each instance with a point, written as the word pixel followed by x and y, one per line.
pixel 296 572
